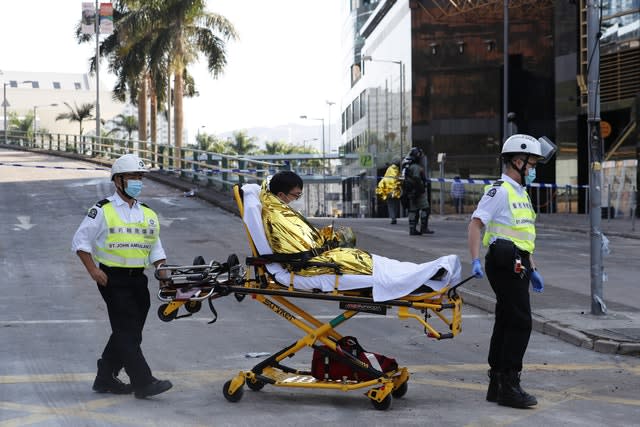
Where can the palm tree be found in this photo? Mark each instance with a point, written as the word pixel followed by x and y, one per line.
pixel 278 147
pixel 77 114
pixel 127 124
pixel 177 32
pixel 22 126
pixel 242 144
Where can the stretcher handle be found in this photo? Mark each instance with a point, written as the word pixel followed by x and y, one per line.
pixel 452 292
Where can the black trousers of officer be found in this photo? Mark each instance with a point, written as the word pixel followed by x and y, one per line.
pixel 512 327
pixel 127 298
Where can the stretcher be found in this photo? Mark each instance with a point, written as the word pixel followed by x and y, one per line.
pixel 188 286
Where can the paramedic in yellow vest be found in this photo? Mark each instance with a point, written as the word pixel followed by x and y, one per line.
pixel 389 189
pixel 506 214
pixel 116 240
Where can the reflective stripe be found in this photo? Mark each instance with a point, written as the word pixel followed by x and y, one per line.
pixel 504 230
pixel 118 261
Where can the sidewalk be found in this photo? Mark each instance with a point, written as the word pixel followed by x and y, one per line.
pixel 559 312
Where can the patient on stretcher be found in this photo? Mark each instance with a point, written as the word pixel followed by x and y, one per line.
pixel 276 228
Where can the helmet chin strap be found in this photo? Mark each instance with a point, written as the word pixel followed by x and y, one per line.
pixel 521 170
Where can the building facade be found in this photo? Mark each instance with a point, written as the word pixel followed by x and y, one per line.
pixel 431 74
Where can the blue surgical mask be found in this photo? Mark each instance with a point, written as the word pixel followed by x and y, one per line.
pixel 531 177
pixel 134 187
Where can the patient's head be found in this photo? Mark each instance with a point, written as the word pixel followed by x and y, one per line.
pixel 286 186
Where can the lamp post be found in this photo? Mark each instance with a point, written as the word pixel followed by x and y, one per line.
pixel 402 113
pixel 5 104
pixel 324 176
pixel 35 121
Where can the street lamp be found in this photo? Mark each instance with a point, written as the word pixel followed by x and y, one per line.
pixel 5 104
pixel 402 125
pixel 324 176
pixel 35 121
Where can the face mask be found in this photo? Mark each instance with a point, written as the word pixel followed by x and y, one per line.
pixel 297 205
pixel 531 177
pixel 134 187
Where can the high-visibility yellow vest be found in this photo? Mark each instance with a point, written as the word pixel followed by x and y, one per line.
pixel 522 231
pixel 128 244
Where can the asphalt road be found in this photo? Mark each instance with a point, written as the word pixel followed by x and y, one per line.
pixel 54 324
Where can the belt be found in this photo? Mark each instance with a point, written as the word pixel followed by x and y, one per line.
pixel 122 271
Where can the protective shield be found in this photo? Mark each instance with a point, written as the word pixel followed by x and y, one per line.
pixel 547 149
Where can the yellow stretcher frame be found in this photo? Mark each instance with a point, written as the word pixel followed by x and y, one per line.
pixel 207 282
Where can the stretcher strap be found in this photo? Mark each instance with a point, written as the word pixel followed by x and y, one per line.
pixel 291 277
pixel 335 286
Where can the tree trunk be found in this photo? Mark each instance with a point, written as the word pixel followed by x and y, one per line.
pixel 178 118
pixel 153 120
pixel 142 113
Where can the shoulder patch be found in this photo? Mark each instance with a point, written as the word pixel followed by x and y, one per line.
pixel 102 202
pixel 492 192
pixel 92 213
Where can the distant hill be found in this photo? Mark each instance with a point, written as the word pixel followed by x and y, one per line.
pixel 293 133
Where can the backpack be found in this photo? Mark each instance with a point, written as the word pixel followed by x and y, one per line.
pixel 349 362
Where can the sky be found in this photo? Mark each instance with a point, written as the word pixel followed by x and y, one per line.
pixel 286 63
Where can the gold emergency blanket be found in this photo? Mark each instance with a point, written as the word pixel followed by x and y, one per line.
pixel 390 185
pixel 289 232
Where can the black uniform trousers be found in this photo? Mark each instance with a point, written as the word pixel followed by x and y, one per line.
pixel 127 298
pixel 512 327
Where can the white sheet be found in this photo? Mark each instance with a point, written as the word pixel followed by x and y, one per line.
pixel 391 279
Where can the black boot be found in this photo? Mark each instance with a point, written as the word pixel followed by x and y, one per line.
pixel 107 380
pixel 494 385
pixel 511 394
pixel 413 231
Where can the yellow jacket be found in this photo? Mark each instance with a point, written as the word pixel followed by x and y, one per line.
pixel 390 185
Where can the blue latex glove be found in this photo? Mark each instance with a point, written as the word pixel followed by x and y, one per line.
pixel 476 269
pixel 537 283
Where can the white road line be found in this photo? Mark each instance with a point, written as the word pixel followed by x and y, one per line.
pixel 202 318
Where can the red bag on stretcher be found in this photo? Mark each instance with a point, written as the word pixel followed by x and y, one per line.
pixel 329 365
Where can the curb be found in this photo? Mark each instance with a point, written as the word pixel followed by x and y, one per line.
pixel 557 330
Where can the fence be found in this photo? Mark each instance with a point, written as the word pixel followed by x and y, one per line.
pixel 222 171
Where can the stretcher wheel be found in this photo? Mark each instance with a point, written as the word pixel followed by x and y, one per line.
pixel 232 397
pixel 384 405
pixel 193 306
pixel 255 385
pixel 401 390
pixel 199 260
pixel 166 317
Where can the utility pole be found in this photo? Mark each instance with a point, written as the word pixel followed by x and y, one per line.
pixel 97 23
pixel 594 140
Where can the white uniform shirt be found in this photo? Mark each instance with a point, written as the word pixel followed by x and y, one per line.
pixel 93 229
pixel 496 207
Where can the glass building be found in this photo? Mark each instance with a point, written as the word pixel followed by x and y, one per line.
pixel 430 74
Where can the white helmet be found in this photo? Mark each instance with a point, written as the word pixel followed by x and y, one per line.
pixel 126 164
pixel 520 143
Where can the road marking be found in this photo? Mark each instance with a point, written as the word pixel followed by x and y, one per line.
pixel 198 319
pixel 94 409
pixel 24 223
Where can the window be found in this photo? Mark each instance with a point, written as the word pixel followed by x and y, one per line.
pixel 77 85
pixel 13 83
pixel 35 84
pixel 56 85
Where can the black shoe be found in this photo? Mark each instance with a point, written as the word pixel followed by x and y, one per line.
pixel 111 385
pixel 154 387
pixel 494 386
pixel 414 233
pixel 393 221
pixel 427 231
pixel 511 394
